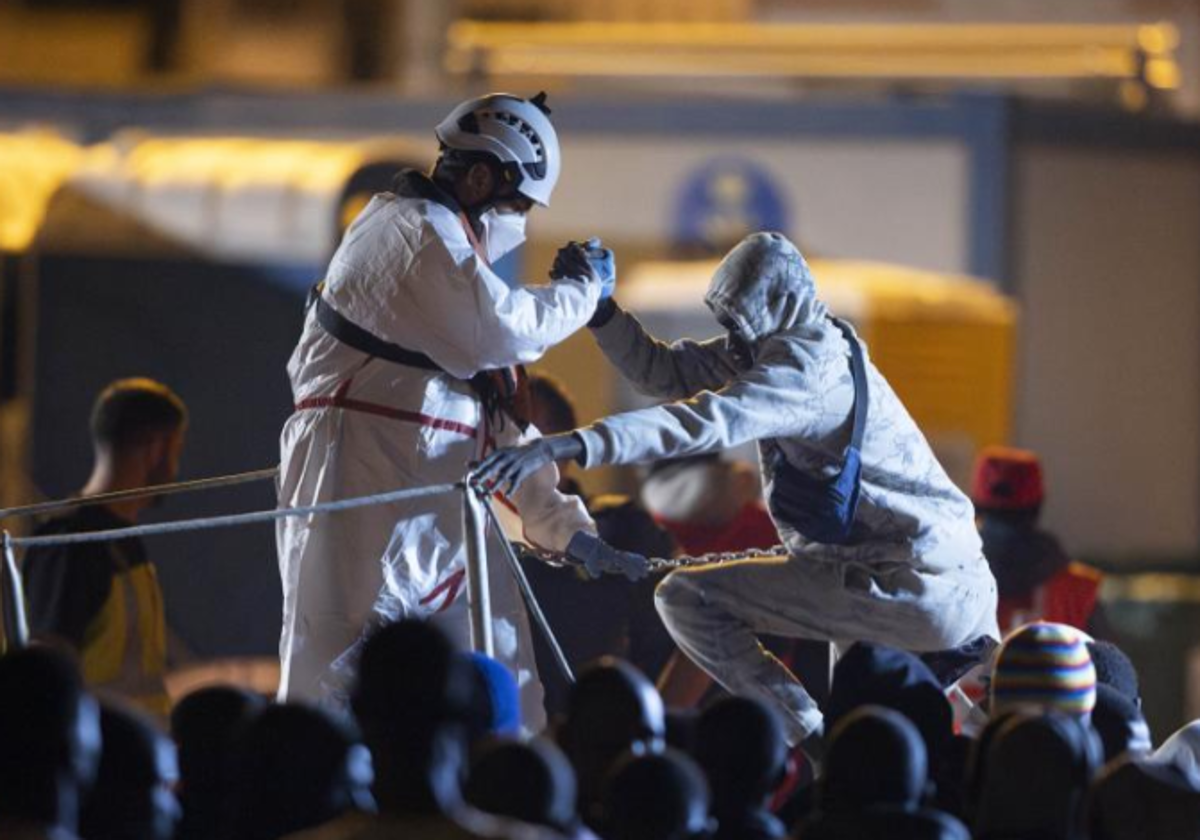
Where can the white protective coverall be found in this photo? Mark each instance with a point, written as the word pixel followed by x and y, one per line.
pixel 912 575
pixel 408 273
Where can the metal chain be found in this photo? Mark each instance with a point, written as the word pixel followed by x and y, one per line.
pixel 559 559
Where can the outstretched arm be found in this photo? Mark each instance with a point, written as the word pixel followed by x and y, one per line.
pixel 770 400
pixel 750 408
pixel 658 369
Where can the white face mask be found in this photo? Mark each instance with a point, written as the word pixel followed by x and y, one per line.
pixel 502 233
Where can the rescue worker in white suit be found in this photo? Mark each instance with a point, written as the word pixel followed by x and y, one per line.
pixel 904 567
pixel 405 373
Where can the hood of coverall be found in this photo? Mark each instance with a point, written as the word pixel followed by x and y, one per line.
pixel 764 286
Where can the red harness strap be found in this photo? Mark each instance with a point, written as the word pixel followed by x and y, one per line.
pixel 340 400
pixel 386 411
pixel 450 587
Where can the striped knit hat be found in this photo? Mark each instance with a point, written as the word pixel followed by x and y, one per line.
pixel 1046 666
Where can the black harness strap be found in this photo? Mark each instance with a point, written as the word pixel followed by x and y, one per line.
pixel 351 334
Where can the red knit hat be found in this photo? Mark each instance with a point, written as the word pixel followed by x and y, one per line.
pixel 1007 479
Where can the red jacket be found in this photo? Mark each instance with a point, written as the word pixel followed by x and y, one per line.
pixel 1068 597
pixel 751 528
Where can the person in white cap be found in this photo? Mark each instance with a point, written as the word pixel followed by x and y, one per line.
pixel 408 370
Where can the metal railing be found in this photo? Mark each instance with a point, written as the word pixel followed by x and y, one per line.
pixel 478 514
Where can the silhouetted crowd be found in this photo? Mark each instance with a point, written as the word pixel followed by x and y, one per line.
pixel 1057 748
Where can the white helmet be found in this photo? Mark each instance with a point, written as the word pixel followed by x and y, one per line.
pixel 514 130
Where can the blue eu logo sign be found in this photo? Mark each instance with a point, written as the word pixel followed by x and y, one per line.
pixel 724 200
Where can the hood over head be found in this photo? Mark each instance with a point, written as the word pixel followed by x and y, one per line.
pixel 763 286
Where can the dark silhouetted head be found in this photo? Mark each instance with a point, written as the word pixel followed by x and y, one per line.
pixel 49 739
pixel 140 422
pixel 876 758
pixel 133 797
pixel 1036 774
pixel 612 708
pixel 412 700
pixel 531 782
pixel 655 797
pixel 882 676
pixel 1134 799
pixel 976 762
pixel 892 823
pixel 741 745
pixel 203 725
pixel 296 767
pixel 129 411
pixel 1115 669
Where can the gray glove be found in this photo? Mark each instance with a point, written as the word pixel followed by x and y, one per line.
pixel 598 558
pixel 506 469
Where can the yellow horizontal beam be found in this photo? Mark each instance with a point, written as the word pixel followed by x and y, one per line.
pixel 973 51
pixel 856 66
pixel 1161 37
pixel 1153 588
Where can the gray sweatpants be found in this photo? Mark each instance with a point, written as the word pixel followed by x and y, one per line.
pixel 715 614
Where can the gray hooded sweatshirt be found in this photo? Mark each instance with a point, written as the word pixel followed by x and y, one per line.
pixel 795 399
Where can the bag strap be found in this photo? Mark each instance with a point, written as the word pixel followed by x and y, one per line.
pixel 858 369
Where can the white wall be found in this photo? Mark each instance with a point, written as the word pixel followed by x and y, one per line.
pixel 1108 267
pixel 895 200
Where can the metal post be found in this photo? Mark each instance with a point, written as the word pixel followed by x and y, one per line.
pixel 12 601
pixel 479 601
pixel 531 601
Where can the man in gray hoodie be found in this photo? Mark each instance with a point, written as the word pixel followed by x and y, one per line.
pixel 906 571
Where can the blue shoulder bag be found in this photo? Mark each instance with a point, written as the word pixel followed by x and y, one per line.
pixel 822 509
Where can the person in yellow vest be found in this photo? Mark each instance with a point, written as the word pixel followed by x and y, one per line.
pixel 103 599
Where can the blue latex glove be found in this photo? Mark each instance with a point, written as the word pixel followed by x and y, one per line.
pixel 587 259
pixel 604 264
pixel 598 558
